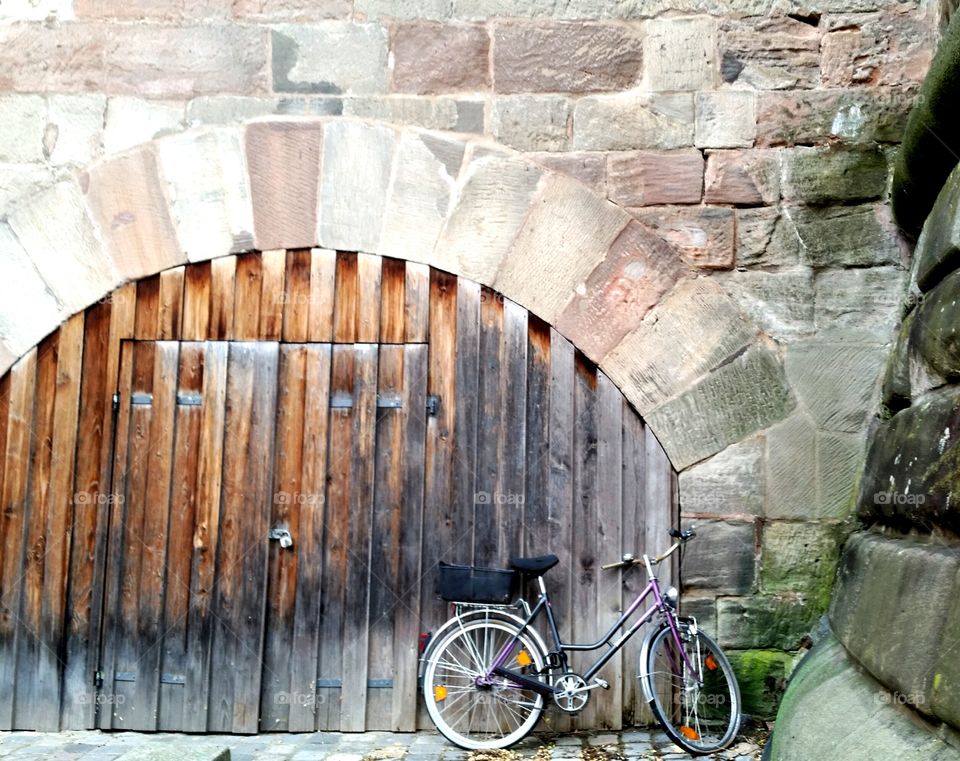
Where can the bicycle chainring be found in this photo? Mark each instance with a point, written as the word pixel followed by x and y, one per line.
pixel 572 694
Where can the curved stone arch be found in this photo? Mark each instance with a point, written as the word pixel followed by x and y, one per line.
pixel 701 373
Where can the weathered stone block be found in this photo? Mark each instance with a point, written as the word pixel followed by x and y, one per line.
pixel 532 123
pixel 692 330
pixel 766 237
pixel 828 175
pixel 132 121
pixel 566 57
pixel 723 558
pixel 60 238
pixel 726 119
pixel 209 192
pixel 895 392
pixel 945 695
pixel 567 234
pixel 839 468
pixel 702 235
pixel 330 57
pixel 229 109
pixel 637 270
pixel 23 119
pixel 799 557
pixel 630 122
pixel 494 199
pixel 762 677
pixel 742 177
pixel 847 236
pixel 835 381
pixel 357 161
pixel 858 115
pixel 76 125
pixel 440 58
pixel 471 116
pixel 681 54
pixel 7 357
pixel 910 476
pixel 283 159
pixel 780 302
pixel 703 607
pixel 938 248
pixel 648 178
pixel 858 304
pixel 20 181
pixel 423 187
pixel 588 168
pixel 430 113
pixel 729 483
pixel 765 622
pixel 771 52
pixel 151 10
pixel 933 333
pixel 741 397
pixel 27 295
pixel 291 10
pixel 32 10
pixel 792 469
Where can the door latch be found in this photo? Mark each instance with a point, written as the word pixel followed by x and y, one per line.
pixel 282 535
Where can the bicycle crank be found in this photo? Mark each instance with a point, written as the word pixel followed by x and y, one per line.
pixel 571 692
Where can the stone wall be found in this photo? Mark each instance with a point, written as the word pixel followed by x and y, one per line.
pixel 754 138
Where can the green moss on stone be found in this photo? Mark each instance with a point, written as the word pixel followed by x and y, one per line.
pixel 762 676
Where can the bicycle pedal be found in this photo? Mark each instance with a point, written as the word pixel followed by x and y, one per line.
pixel 601 683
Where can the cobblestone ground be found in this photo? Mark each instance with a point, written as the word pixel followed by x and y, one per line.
pixel 369 746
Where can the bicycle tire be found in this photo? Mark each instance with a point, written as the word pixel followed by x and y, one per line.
pixel 482 717
pixel 700 718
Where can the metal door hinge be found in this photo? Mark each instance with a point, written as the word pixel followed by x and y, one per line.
pixel 98 679
pixel 433 405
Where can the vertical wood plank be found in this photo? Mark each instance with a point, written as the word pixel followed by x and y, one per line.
pixel 147 326
pixel 513 431
pixel 274 266
pixel 170 318
pixel 13 522
pixel 247 297
pixel 346 305
pixel 223 275
pixel 488 508
pixel 244 522
pixel 310 589
pixel 536 537
pixel 658 501
pixel 467 426
pixel 368 297
pixel 323 276
pixel 197 287
pixel 416 299
pixel 392 301
pixel 296 297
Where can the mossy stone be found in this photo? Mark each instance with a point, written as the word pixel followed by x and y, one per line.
pixel 762 676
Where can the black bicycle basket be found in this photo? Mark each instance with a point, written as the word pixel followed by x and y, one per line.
pixel 465 583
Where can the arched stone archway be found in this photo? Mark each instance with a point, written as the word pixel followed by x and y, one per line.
pixel 702 374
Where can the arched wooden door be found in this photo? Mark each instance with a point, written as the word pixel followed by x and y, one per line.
pixel 383 416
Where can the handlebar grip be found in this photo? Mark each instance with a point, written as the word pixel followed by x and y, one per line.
pixel 612 565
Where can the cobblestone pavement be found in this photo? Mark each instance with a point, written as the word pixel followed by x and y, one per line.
pixel 368 746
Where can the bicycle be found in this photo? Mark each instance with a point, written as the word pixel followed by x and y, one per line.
pixel 488 674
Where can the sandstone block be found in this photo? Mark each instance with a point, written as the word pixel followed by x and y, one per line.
pixel 769 53
pixel 744 178
pixel 132 121
pixel 938 248
pixel 799 557
pixel 729 483
pixel 702 235
pixel 725 558
pixel 60 238
pixel 422 191
pixel 283 160
pixel 693 329
pixel 766 237
pixel 7 358
pixel 532 123
pixel 895 394
pixel 726 119
pixel 847 236
pixel 291 10
pixel 129 204
pixel 778 621
pixel 630 122
pixel 588 168
pixel 792 469
pixel 357 161
pixel 648 178
pixel 229 109
pixel 209 192
pixel 780 302
pixel 828 175
pixel 839 467
pixel 566 57
pixel 762 677
pixel 23 119
pixel 637 270
pixel 32 10
pixel 31 298
pixel 741 397
pixel 934 330
pixel 440 58
pixel 858 304
pixel 494 198
pixel 567 234
pixel 330 57
pixel 76 125
pixel 681 54
pixel 429 113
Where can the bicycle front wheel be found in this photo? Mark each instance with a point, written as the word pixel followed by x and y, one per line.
pixel 698 707
pixel 469 710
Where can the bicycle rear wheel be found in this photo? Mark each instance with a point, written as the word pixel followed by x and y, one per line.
pixel 699 709
pixel 467 710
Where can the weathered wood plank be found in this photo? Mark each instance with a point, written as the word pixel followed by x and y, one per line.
pixel 244 522
pixel 247 297
pixel 392 301
pixel 14 520
pixel 296 297
pixel 323 276
pixel 223 272
pixel 659 515
pixel 407 618
pixel 416 299
pixel 346 304
pixel 309 596
pixel 274 266
pixel 489 509
pixel 537 467
pixel 467 426
pixel 147 326
pixel 368 297
pixel 170 318
pixel 513 431
pixel 197 286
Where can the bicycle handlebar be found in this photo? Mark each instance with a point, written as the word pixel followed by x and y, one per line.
pixel 628 560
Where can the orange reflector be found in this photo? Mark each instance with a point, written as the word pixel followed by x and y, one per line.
pixel 523 658
pixel 689 733
pixel 439 693
pixel 711 663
